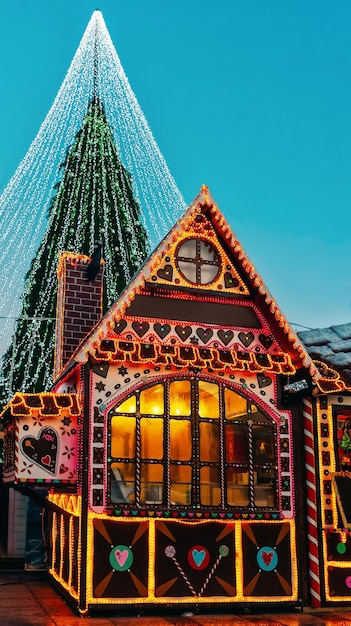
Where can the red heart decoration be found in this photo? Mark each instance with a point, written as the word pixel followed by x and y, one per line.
pixel 267 558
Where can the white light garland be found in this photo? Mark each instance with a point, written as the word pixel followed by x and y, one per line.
pixel 25 202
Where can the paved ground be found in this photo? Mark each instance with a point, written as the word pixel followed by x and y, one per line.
pixel 27 599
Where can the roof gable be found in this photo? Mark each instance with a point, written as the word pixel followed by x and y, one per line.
pixel 199 273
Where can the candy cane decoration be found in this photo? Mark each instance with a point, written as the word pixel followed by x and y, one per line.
pixel 312 528
pixel 223 551
pixel 170 552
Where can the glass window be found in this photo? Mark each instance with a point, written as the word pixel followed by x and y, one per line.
pixel 122 482
pixel 235 405
pixel 123 437
pixel 151 432
pixel 151 482
pixel 180 440
pixel 128 406
pixel 343 439
pixel 180 476
pixel 150 450
pixel 209 440
pixel 179 398
pixel 210 488
pixel 152 401
pixel 208 399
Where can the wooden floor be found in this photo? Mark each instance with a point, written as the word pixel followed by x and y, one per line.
pixel 29 600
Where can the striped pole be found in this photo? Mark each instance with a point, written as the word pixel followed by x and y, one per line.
pixel 311 492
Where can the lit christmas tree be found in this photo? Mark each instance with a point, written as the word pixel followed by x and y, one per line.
pixel 94 202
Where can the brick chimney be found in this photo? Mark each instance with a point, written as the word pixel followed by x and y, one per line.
pixel 79 305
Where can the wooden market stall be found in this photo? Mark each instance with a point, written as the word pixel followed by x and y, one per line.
pixel 172 441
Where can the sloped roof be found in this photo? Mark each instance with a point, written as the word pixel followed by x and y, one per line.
pixel 157 269
pixel 330 348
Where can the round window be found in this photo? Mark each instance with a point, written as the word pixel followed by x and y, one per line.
pixel 198 261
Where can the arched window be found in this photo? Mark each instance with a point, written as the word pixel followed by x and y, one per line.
pixel 192 443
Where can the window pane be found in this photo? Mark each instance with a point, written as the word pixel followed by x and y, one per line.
pixel 123 437
pixel 210 493
pixel 235 405
pixel 180 484
pixel 257 416
pixel 151 483
pixel 128 406
pixel 237 487
pixel 151 430
pixel 208 273
pixel 188 270
pixel 343 430
pixel 263 444
pixel 179 398
pixel 208 253
pixel 236 443
pixel 188 249
pixel 122 482
pixel 180 440
pixel 208 399
pixel 151 400
pixel 209 442
pixel 265 492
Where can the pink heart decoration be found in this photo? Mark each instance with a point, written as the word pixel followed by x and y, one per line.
pixel 121 557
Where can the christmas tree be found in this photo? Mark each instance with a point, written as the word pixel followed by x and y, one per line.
pixel 94 202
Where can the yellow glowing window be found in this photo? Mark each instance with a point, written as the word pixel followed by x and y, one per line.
pixel 180 484
pixel 235 405
pixel 123 437
pixel 208 399
pixel 151 482
pixel 210 492
pixel 180 440
pixel 179 398
pixel 151 431
pixel 152 400
pixel 128 406
pixel 209 442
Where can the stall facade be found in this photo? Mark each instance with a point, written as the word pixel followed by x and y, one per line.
pixel 172 442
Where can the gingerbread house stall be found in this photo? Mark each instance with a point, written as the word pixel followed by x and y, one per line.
pixel 327 428
pixel 172 441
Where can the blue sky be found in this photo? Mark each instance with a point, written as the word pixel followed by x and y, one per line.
pixel 249 97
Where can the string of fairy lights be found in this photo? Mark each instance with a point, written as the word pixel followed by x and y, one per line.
pixel 25 202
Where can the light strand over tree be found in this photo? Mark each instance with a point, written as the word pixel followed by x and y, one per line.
pixel 94 202
pixel 24 203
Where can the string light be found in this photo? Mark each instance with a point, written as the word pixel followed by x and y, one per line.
pixel 26 200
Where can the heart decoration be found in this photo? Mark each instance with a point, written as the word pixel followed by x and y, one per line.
pixel 166 273
pixel 246 339
pixel 205 334
pixel 162 330
pixel 121 556
pixel 230 281
pixel 198 556
pixel 120 326
pixel 101 368
pixel 42 450
pixel 267 558
pixel 265 341
pixel 140 328
pixel 63 469
pixel 225 336
pixel 183 332
pixel 263 381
